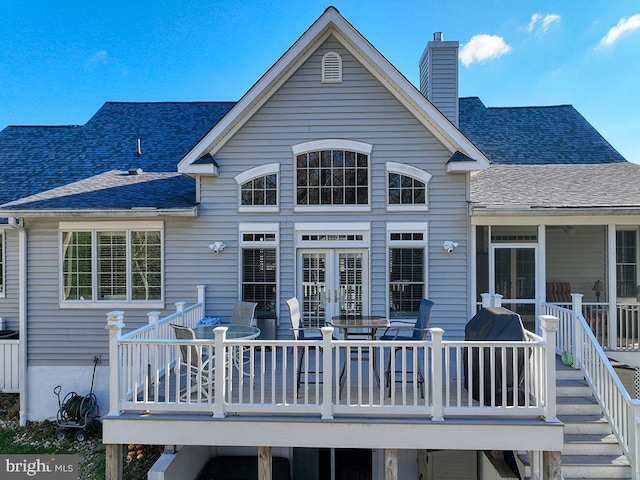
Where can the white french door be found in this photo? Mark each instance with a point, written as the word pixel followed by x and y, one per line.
pixel 332 282
pixel 513 275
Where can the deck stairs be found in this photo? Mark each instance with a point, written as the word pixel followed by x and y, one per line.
pixel 591 450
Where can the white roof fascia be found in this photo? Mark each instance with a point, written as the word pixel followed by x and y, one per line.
pixel 121 212
pixel 332 23
pixel 201 169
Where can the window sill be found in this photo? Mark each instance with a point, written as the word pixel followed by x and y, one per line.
pixel 332 208
pixel 259 209
pixel 112 305
pixel 407 208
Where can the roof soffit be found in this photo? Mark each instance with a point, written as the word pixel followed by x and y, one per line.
pixel 331 23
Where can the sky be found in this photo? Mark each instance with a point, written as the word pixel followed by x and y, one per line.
pixel 61 60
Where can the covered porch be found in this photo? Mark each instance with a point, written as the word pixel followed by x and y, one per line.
pixel 531 259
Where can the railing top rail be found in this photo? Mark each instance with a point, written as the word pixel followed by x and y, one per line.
pixel 163 320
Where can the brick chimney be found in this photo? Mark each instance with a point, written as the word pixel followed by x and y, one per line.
pixel 439 75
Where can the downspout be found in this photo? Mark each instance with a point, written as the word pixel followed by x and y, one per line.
pixel 22 314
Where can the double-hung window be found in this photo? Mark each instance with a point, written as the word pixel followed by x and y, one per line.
pixel 407 268
pixel 626 263
pixel 259 267
pixel 110 262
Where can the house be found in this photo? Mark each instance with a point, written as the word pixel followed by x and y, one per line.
pixel 336 181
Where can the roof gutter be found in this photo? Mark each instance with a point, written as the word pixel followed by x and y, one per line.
pixel 124 212
pixel 532 211
pixel 18 225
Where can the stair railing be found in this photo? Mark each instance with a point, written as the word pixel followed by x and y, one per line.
pixel 621 411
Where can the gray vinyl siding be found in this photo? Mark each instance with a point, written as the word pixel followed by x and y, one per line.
pixel 439 77
pixel 360 109
pixel 9 303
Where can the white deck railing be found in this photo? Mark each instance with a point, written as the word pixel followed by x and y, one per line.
pixel 622 412
pixel 515 379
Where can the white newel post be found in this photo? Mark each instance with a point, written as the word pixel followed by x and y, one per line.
pixel 487 299
pixel 634 439
pixel 437 412
pixel 326 409
pixel 220 379
pixel 154 319
pixel 180 310
pixel 549 326
pixel 201 298
pixel 497 300
pixel 576 306
pixel 115 323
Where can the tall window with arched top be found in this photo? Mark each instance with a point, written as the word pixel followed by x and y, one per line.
pixel 259 188
pixel 331 68
pixel 407 187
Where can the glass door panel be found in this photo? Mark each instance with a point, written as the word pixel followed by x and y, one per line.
pixel 333 282
pixel 514 277
pixel 314 289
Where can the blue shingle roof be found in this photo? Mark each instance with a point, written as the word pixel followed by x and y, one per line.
pixel 37 159
pixel 534 135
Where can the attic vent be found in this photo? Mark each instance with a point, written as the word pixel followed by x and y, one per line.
pixel 331 68
pixel 135 171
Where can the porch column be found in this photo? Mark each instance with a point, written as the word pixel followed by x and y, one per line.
pixel 390 464
pixel 265 461
pixel 113 462
pixel 551 466
pixel 612 330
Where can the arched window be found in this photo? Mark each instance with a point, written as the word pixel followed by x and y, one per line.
pixel 407 187
pixel 331 68
pixel 259 188
pixel 332 173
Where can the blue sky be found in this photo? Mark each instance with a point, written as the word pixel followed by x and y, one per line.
pixel 61 60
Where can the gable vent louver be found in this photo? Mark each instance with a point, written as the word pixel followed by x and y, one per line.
pixel 331 68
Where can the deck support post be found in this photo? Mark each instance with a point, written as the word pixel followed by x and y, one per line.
pixel 551 466
pixel 265 463
pixel 113 462
pixel 390 464
pixel 437 409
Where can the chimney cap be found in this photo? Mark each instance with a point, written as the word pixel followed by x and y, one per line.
pixel 438 36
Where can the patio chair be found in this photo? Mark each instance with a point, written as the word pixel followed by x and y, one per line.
pixel 299 334
pixel 198 368
pixel 415 332
pixel 243 313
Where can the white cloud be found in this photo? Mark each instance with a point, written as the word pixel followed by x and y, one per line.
pixel 624 26
pixel 544 21
pixel 101 56
pixel 483 47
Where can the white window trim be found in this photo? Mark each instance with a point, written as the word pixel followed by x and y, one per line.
pixel 3 264
pixel 332 144
pixel 261 171
pixel 404 227
pixel 361 228
pixel 409 171
pixel 115 226
pixel 333 78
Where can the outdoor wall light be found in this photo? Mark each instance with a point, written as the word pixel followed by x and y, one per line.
pixel 448 246
pixel 217 247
